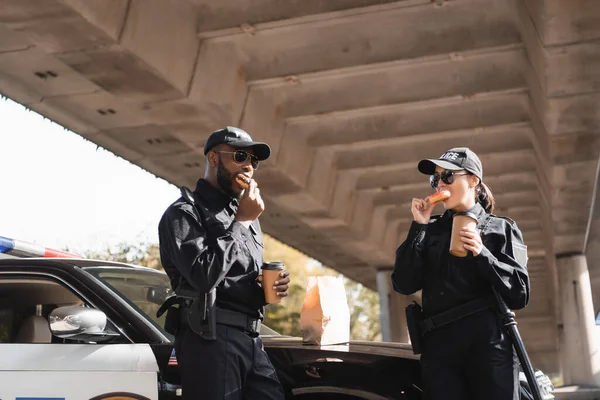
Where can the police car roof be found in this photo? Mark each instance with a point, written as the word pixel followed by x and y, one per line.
pixel 27 253
pixel 21 248
pixel 69 263
pixel 78 262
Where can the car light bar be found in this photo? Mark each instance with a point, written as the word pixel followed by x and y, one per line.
pixel 19 248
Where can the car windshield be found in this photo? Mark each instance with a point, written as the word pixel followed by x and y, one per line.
pixel 144 289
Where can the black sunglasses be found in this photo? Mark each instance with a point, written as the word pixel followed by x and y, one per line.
pixel 446 176
pixel 240 157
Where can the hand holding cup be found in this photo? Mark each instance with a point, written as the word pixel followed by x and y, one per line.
pixel 464 237
pixel 471 240
pixel 275 281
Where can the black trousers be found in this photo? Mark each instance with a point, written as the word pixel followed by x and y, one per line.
pixel 235 366
pixel 471 359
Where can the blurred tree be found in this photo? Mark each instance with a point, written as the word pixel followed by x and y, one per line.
pixel 285 316
pixel 147 255
pixel 364 311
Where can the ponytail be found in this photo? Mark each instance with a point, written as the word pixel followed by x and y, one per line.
pixel 484 196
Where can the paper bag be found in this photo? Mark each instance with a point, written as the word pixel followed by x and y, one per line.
pixel 325 316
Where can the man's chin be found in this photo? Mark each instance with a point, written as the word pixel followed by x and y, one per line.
pixel 230 190
pixel 237 191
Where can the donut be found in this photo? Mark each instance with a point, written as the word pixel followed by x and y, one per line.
pixel 243 181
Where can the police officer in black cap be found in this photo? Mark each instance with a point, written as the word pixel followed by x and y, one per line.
pixel 211 242
pixel 466 353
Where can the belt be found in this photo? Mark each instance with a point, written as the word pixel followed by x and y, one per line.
pixel 455 314
pixel 230 318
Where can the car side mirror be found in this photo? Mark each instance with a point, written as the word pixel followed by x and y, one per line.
pixel 156 296
pixel 79 323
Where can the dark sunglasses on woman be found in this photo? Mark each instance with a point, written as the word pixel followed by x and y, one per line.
pixel 446 176
pixel 240 157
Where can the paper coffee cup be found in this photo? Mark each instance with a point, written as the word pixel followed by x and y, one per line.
pixel 270 273
pixel 460 221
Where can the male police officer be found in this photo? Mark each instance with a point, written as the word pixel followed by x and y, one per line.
pixel 211 239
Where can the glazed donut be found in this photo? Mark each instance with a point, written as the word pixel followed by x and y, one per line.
pixel 243 181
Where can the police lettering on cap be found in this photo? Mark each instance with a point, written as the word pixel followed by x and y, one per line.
pixel 455 159
pixel 237 137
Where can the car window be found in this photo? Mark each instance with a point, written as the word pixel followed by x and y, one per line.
pixel 6 325
pixel 26 303
pixel 143 289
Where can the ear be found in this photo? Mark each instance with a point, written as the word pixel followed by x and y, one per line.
pixel 212 158
pixel 473 181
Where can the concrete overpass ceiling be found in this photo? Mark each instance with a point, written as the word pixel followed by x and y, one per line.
pixel 350 94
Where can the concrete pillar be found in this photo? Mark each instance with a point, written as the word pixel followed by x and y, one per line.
pixel 392 304
pixel 578 342
pixel 384 289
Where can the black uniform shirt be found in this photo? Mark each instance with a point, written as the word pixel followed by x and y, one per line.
pixel 423 262
pixel 206 249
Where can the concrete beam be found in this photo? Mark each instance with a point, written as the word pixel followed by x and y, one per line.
pixel 35 76
pixel 52 25
pixel 335 43
pixel 109 16
pixel 512 137
pixel 230 17
pixel 561 22
pixel 171 50
pixel 397 120
pixel 228 95
pixel 474 71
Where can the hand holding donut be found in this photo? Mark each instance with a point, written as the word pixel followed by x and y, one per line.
pixel 251 204
pixel 422 208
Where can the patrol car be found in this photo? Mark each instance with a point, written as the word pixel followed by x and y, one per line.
pixel 78 329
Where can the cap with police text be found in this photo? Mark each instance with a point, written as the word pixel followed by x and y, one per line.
pixel 454 159
pixel 237 137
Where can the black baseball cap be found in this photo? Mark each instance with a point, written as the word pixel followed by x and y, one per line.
pixel 237 137
pixel 454 159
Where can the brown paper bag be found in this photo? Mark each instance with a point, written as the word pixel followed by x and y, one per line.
pixel 325 316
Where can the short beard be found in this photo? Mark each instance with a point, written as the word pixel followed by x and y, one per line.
pixel 225 180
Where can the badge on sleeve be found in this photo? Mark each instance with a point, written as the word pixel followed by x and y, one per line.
pixel 520 252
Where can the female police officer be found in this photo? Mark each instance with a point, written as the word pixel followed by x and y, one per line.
pixel 466 354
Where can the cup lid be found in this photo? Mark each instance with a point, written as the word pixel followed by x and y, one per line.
pixel 467 214
pixel 273 265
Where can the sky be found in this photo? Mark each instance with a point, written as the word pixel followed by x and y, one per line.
pixel 60 191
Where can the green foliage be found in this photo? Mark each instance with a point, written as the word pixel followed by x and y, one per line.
pixel 284 317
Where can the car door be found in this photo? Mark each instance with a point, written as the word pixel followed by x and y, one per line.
pixel 54 344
